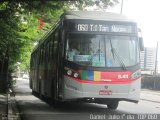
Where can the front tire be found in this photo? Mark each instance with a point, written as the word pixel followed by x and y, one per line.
pixel 113 105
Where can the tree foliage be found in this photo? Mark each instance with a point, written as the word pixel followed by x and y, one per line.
pixel 19 28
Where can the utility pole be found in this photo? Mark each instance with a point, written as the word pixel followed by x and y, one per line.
pixel 155 71
pixel 121 6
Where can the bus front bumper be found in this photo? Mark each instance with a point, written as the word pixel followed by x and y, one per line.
pixel 74 90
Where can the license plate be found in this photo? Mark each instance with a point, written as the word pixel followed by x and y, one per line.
pixel 105 92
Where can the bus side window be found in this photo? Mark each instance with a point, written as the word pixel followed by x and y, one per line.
pixel 52 47
pixel 54 50
pixel 50 50
pixel 32 64
pixel 42 55
pixel 34 60
pixel 48 54
pixel 55 44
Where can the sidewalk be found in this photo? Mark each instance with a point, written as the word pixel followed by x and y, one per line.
pixel 3 105
pixel 8 108
pixel 150 95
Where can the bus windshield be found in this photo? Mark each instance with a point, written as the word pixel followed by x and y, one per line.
pixel 97 50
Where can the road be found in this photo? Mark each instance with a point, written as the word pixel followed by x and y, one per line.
pixel 32 108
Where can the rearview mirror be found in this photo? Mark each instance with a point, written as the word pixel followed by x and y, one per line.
pixel 141 45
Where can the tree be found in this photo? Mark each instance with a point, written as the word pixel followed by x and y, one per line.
pixel 19 28
pixel 8 43
pixel 102 5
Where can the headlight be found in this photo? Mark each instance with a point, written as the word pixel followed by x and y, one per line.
pixel 136 75
pixel 69 72
pixel 75 75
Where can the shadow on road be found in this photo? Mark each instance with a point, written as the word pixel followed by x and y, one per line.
pixel 32 108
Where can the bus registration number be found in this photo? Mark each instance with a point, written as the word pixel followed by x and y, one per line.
pixel 105 92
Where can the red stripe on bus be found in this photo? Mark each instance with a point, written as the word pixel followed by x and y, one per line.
pixel 103 82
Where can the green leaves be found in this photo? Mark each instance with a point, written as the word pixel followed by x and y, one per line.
pixel 19 27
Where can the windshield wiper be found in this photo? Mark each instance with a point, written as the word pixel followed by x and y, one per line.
pixel 114 52
pixel 99 50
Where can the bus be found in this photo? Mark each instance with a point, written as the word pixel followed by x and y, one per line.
pixel 89 57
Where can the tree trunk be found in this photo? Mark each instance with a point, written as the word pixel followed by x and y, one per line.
pixel 2 77
pixel 4 74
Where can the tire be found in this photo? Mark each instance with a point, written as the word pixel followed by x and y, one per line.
pixel 113 105
pixel 33 92
pixel 57 104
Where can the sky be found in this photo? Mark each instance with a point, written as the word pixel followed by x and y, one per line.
pixel 146 14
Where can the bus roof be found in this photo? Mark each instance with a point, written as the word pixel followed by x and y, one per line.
pixel 96 15
pixel 90 15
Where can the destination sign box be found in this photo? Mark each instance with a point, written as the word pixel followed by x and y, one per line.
pixel 102 28
pixel 92 27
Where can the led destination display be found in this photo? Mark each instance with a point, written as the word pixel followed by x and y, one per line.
pixel 102 28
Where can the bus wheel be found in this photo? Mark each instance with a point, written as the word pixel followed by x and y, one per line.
pixel 56 104
pixel 33 92
pixel 113 105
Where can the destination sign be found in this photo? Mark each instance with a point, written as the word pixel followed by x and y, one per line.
pixel 92 27
pixel 103 28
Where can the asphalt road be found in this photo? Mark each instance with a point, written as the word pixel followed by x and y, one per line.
pixel 32 108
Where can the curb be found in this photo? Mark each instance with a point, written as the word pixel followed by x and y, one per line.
pixel 150 100
pixel 12 108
